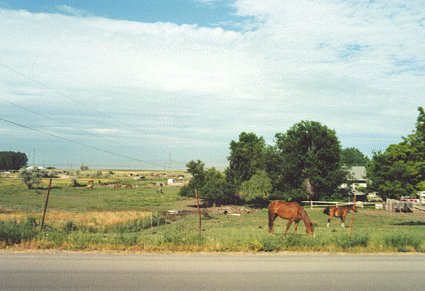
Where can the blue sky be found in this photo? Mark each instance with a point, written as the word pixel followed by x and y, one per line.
pixel 209 13
pixel 154 84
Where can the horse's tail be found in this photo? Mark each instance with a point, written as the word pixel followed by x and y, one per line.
pixel 326 210
pixel 271 218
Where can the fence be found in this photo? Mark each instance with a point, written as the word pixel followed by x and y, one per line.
pixel 360 204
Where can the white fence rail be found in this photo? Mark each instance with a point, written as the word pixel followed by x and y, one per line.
pixel 360 204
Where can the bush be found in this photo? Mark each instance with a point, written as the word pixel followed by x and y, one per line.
pixel 346 241
pixel 137 225
pixel 12 232
pixel 402 242
pixel 31 177
pixel 182 237
pixel 70 226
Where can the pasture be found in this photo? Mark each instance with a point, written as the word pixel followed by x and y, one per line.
pixel 135 219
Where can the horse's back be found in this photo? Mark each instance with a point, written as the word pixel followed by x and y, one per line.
pixel 285 209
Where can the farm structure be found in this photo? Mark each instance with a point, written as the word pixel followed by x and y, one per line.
pixel 393 205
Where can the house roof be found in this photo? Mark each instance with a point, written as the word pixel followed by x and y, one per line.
pixel 357 173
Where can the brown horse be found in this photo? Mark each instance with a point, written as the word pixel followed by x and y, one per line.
pixel 291 211
pixel 340 212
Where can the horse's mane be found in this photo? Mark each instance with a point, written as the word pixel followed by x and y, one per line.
pixel 306 219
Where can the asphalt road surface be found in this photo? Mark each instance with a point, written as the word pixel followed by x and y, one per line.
pixel 82 271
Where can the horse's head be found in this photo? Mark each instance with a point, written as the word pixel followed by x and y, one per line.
pixel 354 208
pixel 310 229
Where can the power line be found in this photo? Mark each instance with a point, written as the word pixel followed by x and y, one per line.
pixel 63 95
pixel 86 107
pixel 76 142
pixel 58 121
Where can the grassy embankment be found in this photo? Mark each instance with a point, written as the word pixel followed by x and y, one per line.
pixel 121 219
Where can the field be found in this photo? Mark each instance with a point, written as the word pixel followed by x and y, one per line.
pixel 136 219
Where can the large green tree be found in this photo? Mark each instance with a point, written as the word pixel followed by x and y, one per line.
pixel 213 190
pixel 247 156
pixel 353 157
pixel 310 154
pixel 12 160
pixel 400 169
pixel 198 172
pixel 210 183
pixel 257 189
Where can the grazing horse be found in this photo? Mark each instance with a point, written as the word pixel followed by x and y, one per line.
pixel 291 211
pixel 340 212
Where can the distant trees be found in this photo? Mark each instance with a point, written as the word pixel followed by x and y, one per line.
pixel 12 160
pixel 400 169
pixel 210 183
pixel 307 162
pixel 353 157
pixel 304 163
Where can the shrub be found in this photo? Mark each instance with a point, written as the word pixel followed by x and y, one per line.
pixel 70 226
pixel 56 237
pixel 270 244
pixel 181 237
pixel 402 242
pixel 346 241
pixel 31 177
pixel 137 225
pixel 127 239
pixel 12 232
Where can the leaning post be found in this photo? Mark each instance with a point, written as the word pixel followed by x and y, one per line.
pixel 45 204
pixel 354 211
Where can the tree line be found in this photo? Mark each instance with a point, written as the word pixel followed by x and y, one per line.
pixel 12 160
pixel 307 162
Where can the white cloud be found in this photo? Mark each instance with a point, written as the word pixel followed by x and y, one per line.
pixel 71 10
pixel 357 67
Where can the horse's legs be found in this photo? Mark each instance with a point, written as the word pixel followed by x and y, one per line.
pixel 342 221
pixel 272 218
pixel 288 226
pixel 296 225
pixel 329 220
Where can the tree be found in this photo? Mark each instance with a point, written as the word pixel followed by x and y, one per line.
pixel 197 170
pixel 31 177
pixel 12 160
pixel 310 152
pixel 400 169
pixel 210 183
pixel 353 157
pixel 246 158
pixel 257 189
pixel 214 187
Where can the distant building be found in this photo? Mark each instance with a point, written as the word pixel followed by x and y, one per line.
pixel 356 181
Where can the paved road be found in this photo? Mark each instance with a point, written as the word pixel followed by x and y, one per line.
pixel 82 271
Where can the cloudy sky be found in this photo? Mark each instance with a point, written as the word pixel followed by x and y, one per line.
pixel 154 84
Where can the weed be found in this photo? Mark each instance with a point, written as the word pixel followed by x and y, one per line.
pixel 12 232
pixel 347 241
pixel 403 242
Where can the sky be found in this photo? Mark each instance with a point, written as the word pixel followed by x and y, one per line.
pixel 155 84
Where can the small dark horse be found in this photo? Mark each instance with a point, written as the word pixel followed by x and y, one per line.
pixel 291 211
pixel 340 212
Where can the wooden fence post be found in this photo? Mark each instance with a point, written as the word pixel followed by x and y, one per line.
pixel 45 204
pixel 199 210
pixel 354 211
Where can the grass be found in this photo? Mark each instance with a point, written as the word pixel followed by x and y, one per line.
pixel 120 219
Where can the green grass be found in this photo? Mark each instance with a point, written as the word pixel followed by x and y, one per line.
pixel 374 230
pixel 15 196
